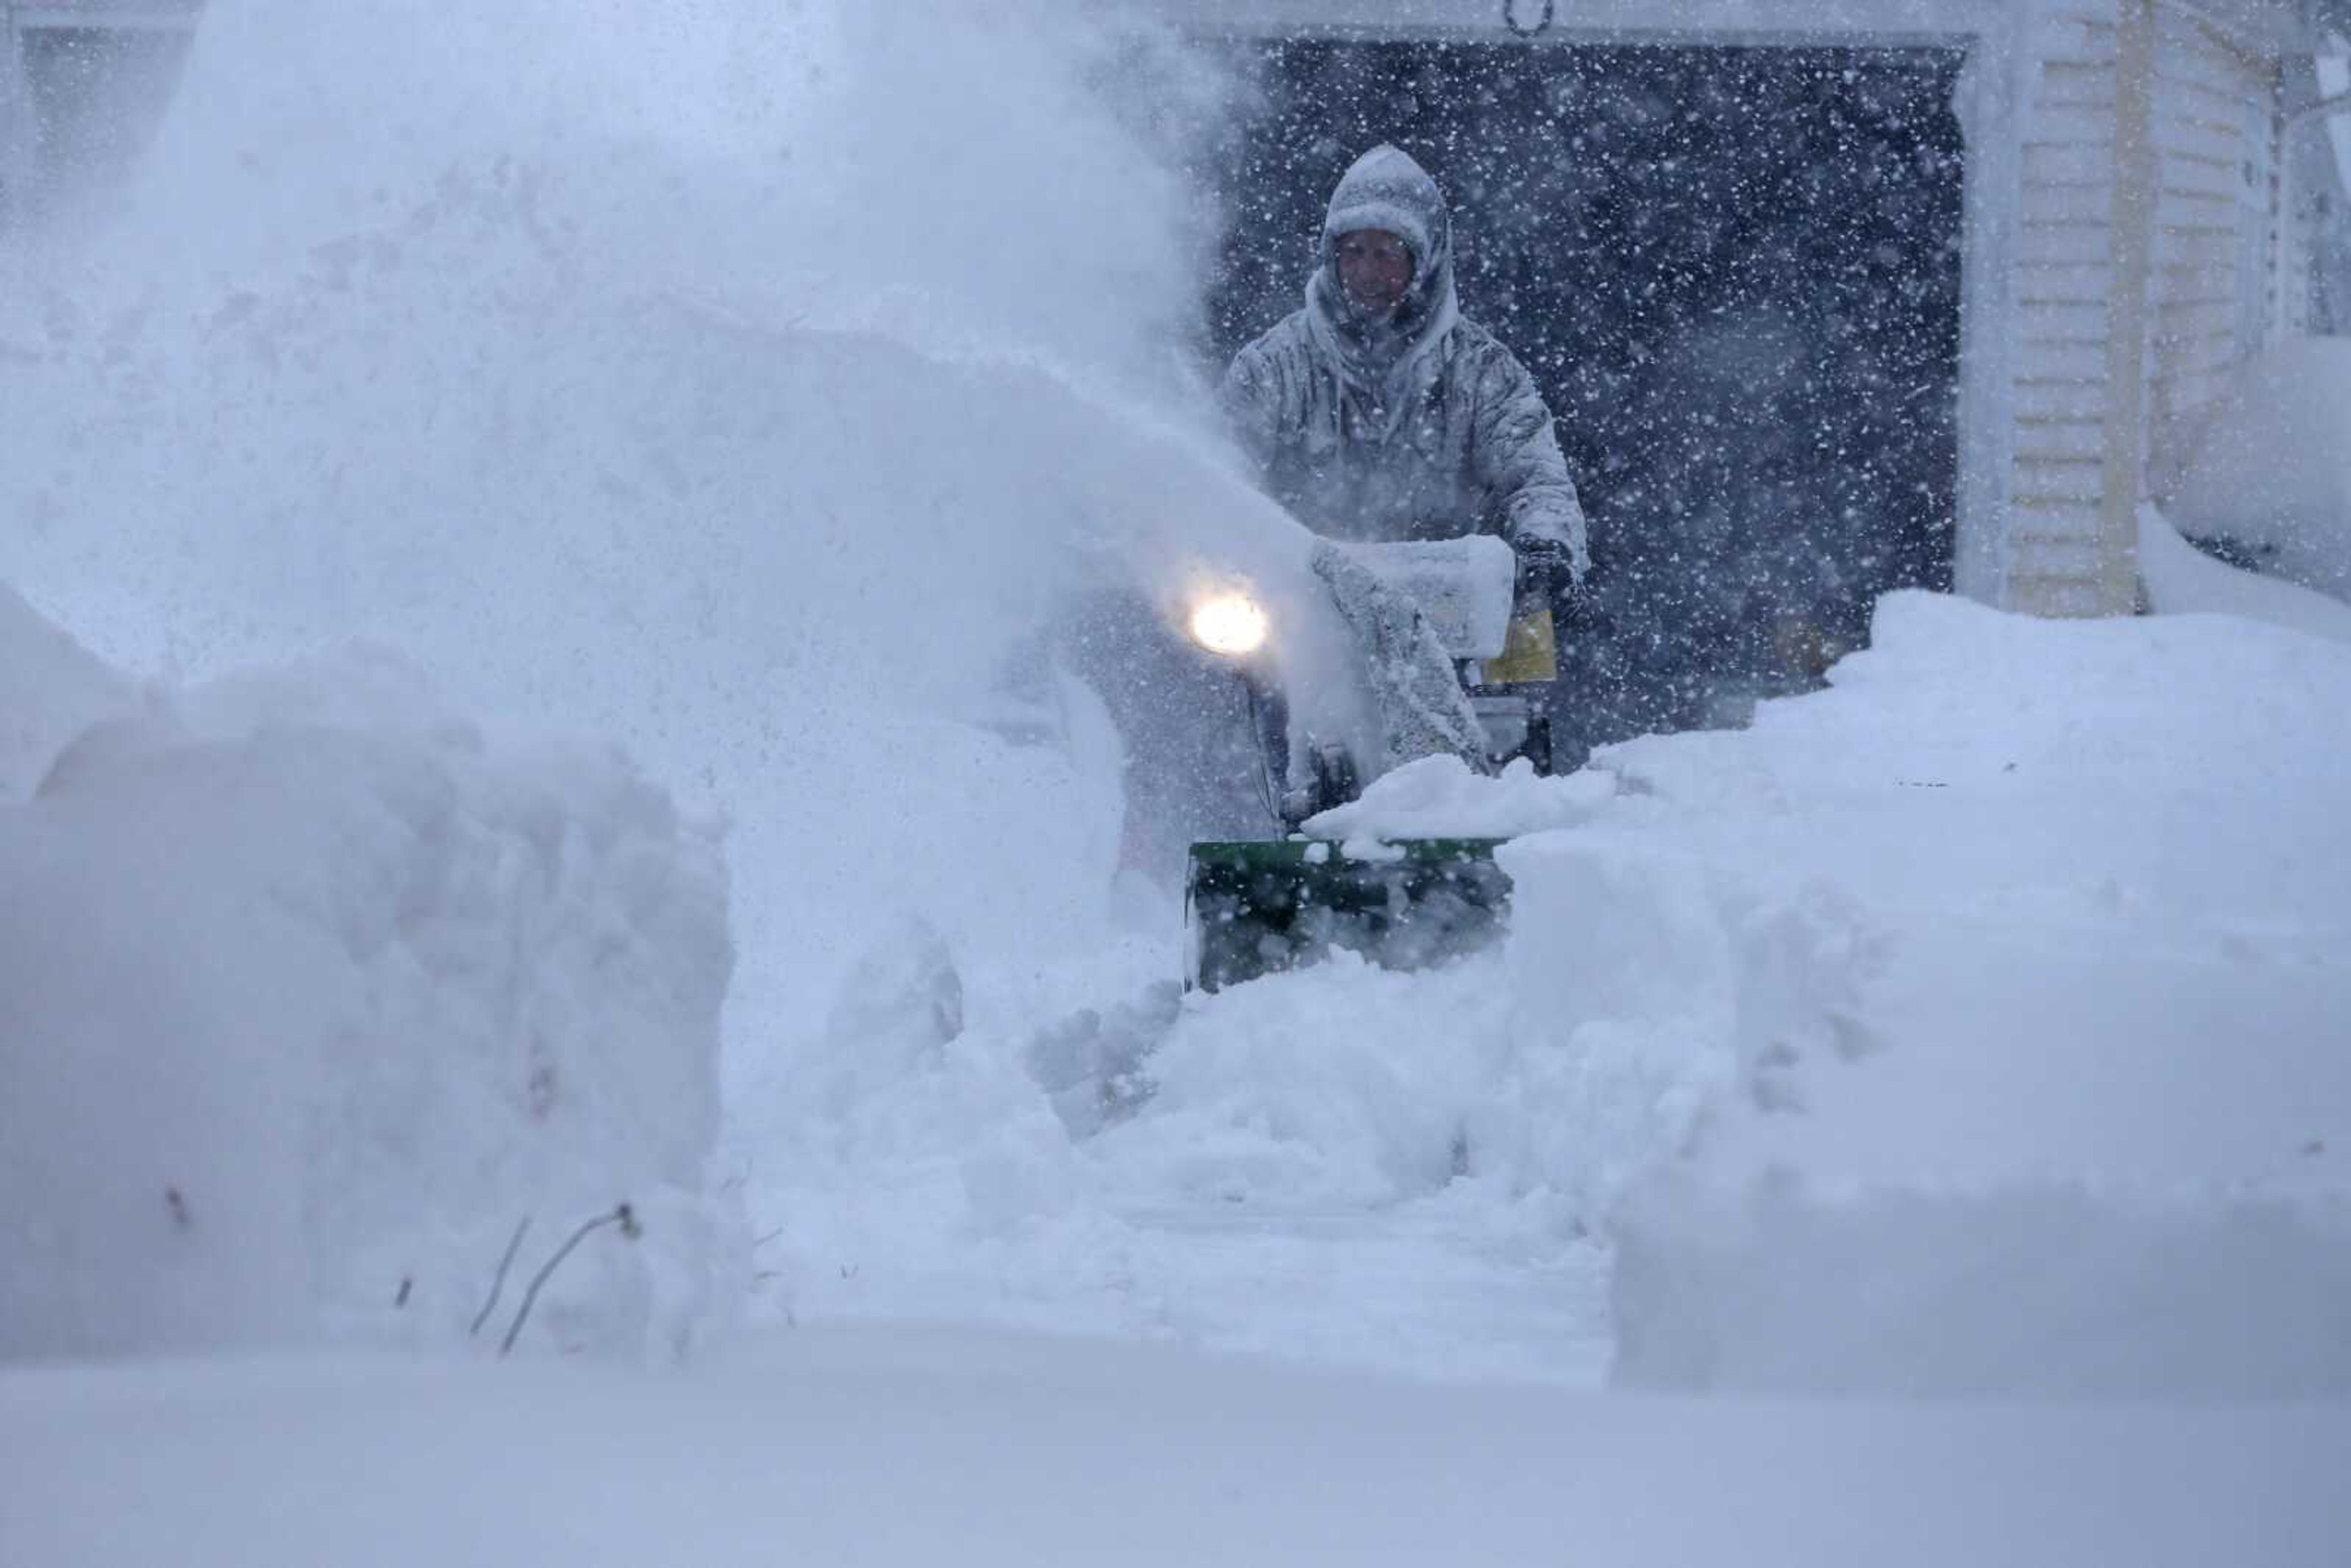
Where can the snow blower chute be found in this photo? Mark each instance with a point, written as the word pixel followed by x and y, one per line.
pixel 1450 663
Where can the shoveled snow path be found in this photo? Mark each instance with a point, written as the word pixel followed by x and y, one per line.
pixel 1414 1290
pixel 1408 1291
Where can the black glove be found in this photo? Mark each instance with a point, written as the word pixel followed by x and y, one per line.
pixel 1546 570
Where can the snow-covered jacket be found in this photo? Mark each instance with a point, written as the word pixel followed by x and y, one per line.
pixel 1418 424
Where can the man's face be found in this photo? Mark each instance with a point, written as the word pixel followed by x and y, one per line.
pixel 1374 267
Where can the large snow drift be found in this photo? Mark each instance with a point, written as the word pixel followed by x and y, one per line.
pixel 312 992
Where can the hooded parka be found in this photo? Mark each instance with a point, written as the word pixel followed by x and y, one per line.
pixel 1412 424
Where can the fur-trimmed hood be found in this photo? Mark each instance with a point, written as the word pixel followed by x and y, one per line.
pixel 1386 357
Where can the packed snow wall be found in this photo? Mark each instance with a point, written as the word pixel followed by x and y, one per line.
pixel 311 994
pixel 2078 1128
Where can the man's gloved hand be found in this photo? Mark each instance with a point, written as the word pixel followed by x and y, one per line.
pixel 1546 569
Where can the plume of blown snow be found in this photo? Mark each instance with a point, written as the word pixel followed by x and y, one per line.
pixel 750 384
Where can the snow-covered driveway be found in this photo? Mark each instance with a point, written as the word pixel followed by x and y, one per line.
pixel 905 1449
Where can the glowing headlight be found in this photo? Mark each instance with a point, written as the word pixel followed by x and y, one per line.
pixel 1232 624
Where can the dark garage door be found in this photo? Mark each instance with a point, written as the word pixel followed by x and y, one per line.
pixel 1736 274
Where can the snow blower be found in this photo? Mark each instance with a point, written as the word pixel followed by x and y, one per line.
pixel 1451 664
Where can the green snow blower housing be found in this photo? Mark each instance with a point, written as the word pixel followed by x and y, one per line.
pixel 1255 907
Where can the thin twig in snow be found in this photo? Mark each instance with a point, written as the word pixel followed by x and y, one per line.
pixel 499 1285
pixel 624 1217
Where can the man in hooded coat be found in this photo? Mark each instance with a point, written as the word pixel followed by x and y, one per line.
pixel 1379 411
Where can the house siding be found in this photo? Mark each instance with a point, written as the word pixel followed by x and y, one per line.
pixel 2062 287
pixel 2216 283
pixel 2222 273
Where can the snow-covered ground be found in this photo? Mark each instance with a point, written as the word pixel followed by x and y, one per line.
pixel 907 1448
pixel 1975 1030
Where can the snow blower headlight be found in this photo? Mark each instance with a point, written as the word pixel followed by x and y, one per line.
pixel 1232 624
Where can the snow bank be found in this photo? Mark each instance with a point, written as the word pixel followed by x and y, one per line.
pixel 2182 580
pixel 2080 1124
pixel 2269 475
pixel 2036 1285
pixel 313 993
